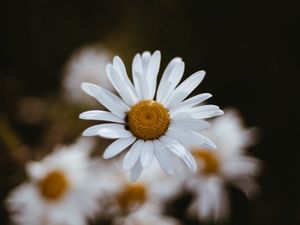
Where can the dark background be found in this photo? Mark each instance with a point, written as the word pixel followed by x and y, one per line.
pixel 250 51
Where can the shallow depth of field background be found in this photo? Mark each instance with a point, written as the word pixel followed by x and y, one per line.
pixel 249 51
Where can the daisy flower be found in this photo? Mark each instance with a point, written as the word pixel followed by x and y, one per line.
pixel 152 189
pixel 228 165
pixel 86 64
pixel 153 122
pixel 63 188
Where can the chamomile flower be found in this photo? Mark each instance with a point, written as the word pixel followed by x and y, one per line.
pixel 153 122
pixel 86 65
pixel 64 188
pixel 152 189
pixel 228 165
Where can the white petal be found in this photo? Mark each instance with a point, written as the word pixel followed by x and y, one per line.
pixel 137 64
pixel 106 98
pixel 190 138
pixel 189 124
pixel 145 69
pixel 152 73
pixel 132 155
pixel 173 145
pixel 179 150
pixel 146 56
pixel 205 111
pixel 212 200
pixel 136 171
pixel 91 131
pixel 120 67
pixel 137 70
pixel 100 115
pixel 142 84
pixel 181 115
pixel 197 99
pixel 184 89
pixel 190 161
pixel 162 156
pixel 35 170
pixel 170 80
pixel 117 146
pixel 161 91
pixel 113 131
pixel 204 203
pixel 122 85
pixel 241 166
pixel 220 199
pixel 205 142
pixel 107 130
pixel 246 185
pixel 147 154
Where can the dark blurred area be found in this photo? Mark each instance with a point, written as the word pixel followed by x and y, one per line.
pixel 250 51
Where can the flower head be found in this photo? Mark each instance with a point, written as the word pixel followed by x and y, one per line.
pixel 152 121
pixel 152 189
pixel 228 165
pixel 86 65
pixel 64 188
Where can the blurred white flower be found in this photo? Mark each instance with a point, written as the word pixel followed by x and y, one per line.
pixel 86 65
pixel 64 188
pixel 151 128
pixel 227 165
pixel 151 191
pixel 146 216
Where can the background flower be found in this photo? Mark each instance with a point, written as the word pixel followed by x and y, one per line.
pixel 227 165
pixel 86 65
pixel 63 188
pixel 151 191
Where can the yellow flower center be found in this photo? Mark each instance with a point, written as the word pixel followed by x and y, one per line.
pixel 133 195
pixel 148 120
pixel 208 160
pixel 53 186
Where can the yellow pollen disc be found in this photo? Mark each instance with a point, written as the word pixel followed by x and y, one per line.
pixel 132 196
pixel 148 120
pixel 209 161
pixel 53 186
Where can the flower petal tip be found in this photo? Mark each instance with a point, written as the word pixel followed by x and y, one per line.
pixel 157 52
pixel 108 68
pixel 220 112
pixel 105 156
pixel 116 58
pixel 84 134
pixel 202 72
pixel 84 85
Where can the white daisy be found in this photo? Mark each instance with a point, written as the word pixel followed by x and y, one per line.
pixel 151 191
pixel 228 164
pixel 86 65
pixel 63 188
pixel 155 122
